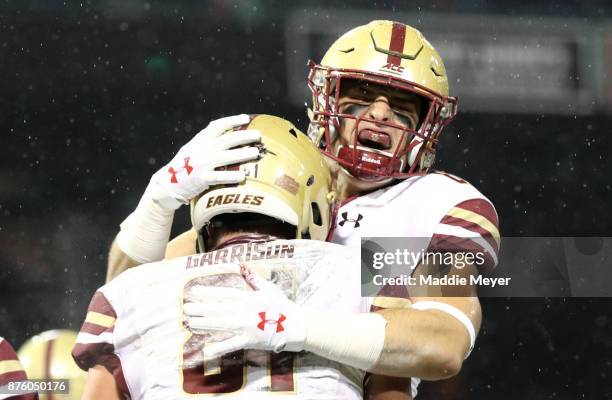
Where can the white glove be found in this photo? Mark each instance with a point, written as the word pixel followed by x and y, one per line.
pixel 192 170
pixel 263 319
pixel 144 234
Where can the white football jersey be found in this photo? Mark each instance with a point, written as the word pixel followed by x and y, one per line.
pixel 438 209
pixel 135 325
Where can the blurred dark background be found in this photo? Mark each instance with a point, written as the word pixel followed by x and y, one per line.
pixel 95 96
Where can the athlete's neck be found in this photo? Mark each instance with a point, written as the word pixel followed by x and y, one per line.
pixel 347 185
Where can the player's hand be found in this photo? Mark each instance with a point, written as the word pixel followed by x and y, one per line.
pixel 263 319
pixel 192 170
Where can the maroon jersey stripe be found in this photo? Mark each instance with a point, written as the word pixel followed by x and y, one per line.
pixel 88 355
pixel 470 226
pixel 12 376
pixel 441 242
pixel 101 305
pixel 113 364
pixel 391 291
pixel 481 207
pixel 6 351
pixel 398 36
pixel 94 329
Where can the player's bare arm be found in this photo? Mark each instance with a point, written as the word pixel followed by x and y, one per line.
pixel 182 245
pixel 428 340
pixel 100 385
pixel 430 343
pixel 381 387
pixel 118 262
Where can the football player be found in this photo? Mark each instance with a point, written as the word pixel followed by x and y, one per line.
pixel 47 356
pixel 380 102
pixel 141 336
pixel 11 370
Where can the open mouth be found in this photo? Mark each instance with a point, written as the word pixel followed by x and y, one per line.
pixel 374 139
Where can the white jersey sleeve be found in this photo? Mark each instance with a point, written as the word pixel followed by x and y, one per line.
pixel 95 344
pixel 438 211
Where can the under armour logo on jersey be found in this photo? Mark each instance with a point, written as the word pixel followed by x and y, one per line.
pixel 346 219
pixel 279 322
pixel 185 167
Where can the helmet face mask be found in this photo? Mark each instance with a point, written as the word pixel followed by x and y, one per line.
pixel 290 183
pixel 358 56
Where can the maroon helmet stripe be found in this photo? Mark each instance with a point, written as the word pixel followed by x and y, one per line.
pixel 398 36
pixel 48 357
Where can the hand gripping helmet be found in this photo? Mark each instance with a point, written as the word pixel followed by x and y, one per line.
pixel 48 356
pixel 290 182
pixel 390 54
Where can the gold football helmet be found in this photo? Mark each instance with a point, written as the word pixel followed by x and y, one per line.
pixel 48 356
pixel 391 54
pixel 290 182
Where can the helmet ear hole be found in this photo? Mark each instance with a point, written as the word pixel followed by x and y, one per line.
pixel 316 214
